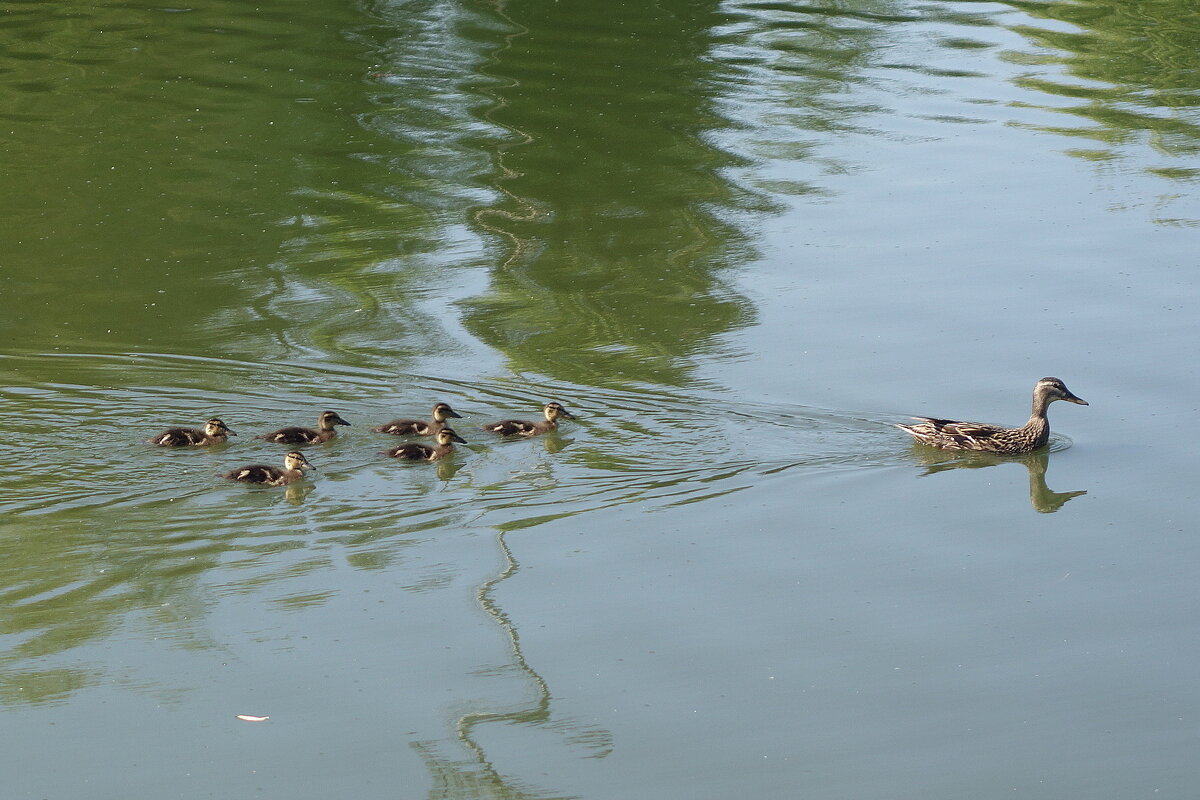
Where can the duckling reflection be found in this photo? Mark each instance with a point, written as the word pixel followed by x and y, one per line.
pixel 1041 497
pixel 447 468
pixel 295 493
pixel 555 442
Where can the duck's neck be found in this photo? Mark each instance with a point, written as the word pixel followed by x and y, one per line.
pixel 1038 427
pixel 1040 403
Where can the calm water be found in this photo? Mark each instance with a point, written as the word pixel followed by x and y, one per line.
pixel 739 240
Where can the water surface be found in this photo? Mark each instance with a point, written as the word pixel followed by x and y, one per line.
pixel 740 241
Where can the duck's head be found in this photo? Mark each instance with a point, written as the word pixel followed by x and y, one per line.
pixel 331 418
pixel 1053 389
pixel 215 427
pixel 555 410
pixel 296 460
pixel 447 435
pixel 443 411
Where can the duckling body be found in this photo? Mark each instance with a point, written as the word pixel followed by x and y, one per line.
pixel 324 432
pixel 415 451
pixel 294 465
pixel 215 432
pixel 951 435
pixel 519 427
pixel 417 427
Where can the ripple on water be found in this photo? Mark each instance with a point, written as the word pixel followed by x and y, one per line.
pixel 79 423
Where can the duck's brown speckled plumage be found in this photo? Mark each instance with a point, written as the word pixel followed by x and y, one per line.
pixel 215 432
pixel 519 427
pixel 981 436
pixel 418 427
pixel 415 451
pixel 294 464
pixel 324 432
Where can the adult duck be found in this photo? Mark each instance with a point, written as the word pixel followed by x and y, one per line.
pixel 981 436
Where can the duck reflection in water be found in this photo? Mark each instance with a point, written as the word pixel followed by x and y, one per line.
pixel 555 442
pixel 1041 497
pixel 295 493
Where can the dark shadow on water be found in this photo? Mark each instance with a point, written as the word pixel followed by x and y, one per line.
pixel 1043 499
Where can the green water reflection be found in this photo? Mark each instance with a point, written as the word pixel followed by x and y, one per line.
pixel 619 228
pixel 1131 68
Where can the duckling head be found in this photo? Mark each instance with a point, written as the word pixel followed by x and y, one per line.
pixel 296 460
pixel 331 418
pixel 443 411
pixel 215 427
pixel 555 410
pixel 447 435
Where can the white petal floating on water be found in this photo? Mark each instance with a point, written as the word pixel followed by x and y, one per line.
pixel 251 718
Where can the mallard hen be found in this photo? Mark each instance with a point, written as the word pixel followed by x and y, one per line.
pixel 951 435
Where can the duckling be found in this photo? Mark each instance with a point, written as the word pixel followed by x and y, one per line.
pixel 294 464
pixel 950 435
pixel 215 432
pixel 416 427
pixel 415 451
pixel 517 427
pixel 324 433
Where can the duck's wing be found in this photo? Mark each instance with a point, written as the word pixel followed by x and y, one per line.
pixel 255 473
pixel 178 437
pixel 954 434
pixel 405 427
pixel 512 427
pixel 291 436
pixel 412 451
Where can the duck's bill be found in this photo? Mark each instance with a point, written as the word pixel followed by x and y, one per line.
pixel 1070 398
